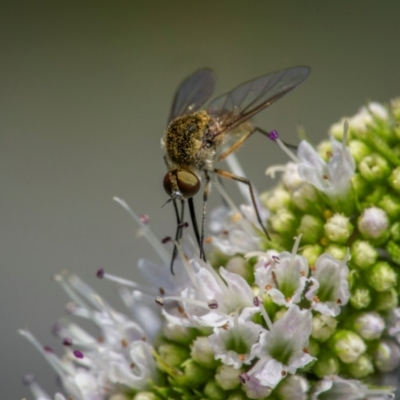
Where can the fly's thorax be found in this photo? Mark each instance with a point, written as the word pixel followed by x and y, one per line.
pixel 184 138
pixel 207 152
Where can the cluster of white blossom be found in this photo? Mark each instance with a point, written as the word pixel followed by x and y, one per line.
pixel 259 321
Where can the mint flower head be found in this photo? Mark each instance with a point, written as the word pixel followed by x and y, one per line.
pixel 310 312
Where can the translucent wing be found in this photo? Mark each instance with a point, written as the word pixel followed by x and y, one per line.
pixel 192 93
pixel 246 100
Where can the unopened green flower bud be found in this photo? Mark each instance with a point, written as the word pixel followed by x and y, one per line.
pixel 338 228
pixel 238 265
pixel 276 199
pixel 391 205
pixel 213 391
pixel 386 301
pixel 195 375
pixel 348 346
pixel 283 221
pixel 358 150
pixel 122 396
pixel 216 258
pixel 394 250
pixel 395 231
pixel 373 224
pixel 173 354
pixel 294 387
pixel 143 396
pixel 336 129
pixel 362 367
pixel 374 195
pixel 323 326
pixel 237 395
pixel 324 149
pixel 378 112
pixel 387 355
pixel 374 168
pixel 363 254
pixel 311 229
pixel 326 364
pixel 311 253
pixel 227 377
pixel 360 185
pixel 337 251
pixel 358 124
pixel 353 278
pixel 360 297
pixel 178 333
pixel 394 179
pixel 305 198
pixel 313 347
pixel 202 353
pixel 369 325
pixel 381 276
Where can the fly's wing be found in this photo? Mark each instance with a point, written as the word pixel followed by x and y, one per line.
pixel 192 93
pixel 233 108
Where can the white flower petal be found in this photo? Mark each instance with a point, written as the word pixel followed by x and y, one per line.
pixel 241 334
pixel 332 178
pixel 330 288
pixel 334 387
pixel 238 285
pixel 271 373
pixel 281 350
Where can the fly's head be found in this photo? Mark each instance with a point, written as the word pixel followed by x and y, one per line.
pixel 181 184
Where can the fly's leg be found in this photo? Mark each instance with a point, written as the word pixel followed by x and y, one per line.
pixel 235 145
pixel 229 175
pixel 242 139
pixel 178 233
pixel 203 217
pixel 224 202
pixel 196 227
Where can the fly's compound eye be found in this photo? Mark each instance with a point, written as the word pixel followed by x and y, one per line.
pixel 187 183
pixel 170 184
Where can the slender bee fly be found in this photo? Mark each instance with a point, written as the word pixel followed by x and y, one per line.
pixel 195 139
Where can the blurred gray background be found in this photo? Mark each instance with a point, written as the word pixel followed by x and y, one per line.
pixel 85 91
